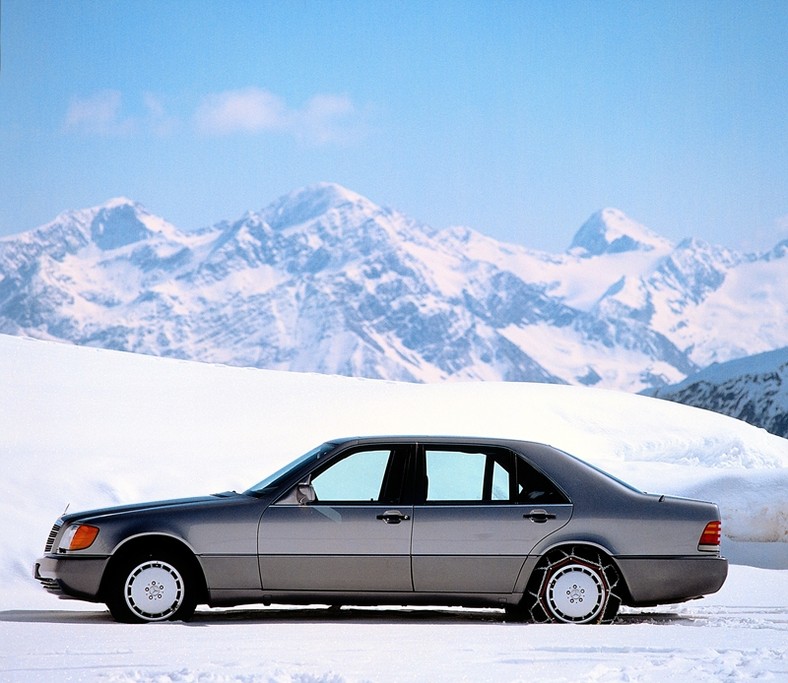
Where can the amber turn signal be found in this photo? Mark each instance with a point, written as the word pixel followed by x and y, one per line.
pixel 79 537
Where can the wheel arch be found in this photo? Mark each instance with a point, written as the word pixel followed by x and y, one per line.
pixel 148 545
pixel 585 541
pixel 586 548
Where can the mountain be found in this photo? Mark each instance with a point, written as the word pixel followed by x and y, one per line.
pixel 753 389
pixel 324 280
pixel 610 231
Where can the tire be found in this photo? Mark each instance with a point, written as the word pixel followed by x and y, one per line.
pixel 149 589
pixel 574 587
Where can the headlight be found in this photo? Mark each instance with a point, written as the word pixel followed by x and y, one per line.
pixel 78 537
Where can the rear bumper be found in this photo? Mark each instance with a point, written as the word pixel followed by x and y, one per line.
pixel 656 580
pixel 72 576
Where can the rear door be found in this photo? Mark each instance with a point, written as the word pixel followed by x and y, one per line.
pixel 355 536
pixel 481 511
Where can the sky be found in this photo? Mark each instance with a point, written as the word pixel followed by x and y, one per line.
pixel 517 119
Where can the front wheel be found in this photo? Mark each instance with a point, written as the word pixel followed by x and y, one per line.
pixel 574 588
pixel 151 589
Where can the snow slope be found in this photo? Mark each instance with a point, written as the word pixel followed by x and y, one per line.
pixel 90 427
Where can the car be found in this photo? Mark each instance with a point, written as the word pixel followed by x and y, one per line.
pixel 399 520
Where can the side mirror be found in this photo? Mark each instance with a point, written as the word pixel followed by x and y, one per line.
pixel 305 493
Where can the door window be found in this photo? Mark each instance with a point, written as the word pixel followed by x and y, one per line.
pixel 453 475
pixel 485 476
pixel 358 477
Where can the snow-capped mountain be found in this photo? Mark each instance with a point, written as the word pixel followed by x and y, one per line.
pixel 610 231
pixel 325 280
pixel 753 389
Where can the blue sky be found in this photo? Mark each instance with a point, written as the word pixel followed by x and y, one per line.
pixel 518 119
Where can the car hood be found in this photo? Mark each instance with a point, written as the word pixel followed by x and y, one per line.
pixel 195 501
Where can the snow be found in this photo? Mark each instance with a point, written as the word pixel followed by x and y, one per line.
pixel 750 310
pixel 713 643
pixel 560 355
pixel 92 427
pixel 579 281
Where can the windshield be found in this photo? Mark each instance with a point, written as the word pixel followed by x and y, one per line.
pixel 272 480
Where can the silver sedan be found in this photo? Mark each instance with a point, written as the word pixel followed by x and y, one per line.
pixel 399 520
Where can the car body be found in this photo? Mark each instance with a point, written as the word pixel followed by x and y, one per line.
pixel 399 520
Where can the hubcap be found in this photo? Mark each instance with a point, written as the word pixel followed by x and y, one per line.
pixel 154 590
pixel 576 592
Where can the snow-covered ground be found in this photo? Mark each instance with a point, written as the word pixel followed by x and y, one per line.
pixel 88 428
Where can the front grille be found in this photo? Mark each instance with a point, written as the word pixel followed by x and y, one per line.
pixel 52 536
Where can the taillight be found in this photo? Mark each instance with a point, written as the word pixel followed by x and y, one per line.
pixel 710 538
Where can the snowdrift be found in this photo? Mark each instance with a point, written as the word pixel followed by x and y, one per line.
pixel 86 427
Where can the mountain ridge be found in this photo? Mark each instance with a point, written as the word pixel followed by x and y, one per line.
pixel 753 389
pixel 323 279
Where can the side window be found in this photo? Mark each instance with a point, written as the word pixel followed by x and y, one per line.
pixel 501 482
pixel 355 478
pixel 535 488
pixel 485 476
pixel 452 475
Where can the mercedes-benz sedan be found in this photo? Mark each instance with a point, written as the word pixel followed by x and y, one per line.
pixel 398 520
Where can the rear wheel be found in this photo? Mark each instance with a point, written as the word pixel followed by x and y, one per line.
pixel 151 589
pixel 575 587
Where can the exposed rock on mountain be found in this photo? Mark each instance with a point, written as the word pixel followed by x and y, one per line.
pixel 753 389
pixel 324 280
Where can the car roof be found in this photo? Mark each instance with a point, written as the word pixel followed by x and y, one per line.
pixel 433 439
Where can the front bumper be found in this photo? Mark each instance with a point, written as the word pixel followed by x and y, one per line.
pixel 71 576
pixel 655 581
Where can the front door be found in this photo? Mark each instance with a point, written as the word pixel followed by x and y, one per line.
pixel 353 534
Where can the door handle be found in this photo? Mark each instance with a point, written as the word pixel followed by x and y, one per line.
pixel 393 517
pixel 539 516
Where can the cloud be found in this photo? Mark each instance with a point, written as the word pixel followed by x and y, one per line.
pixel 103 114
pixel 99 114
pixel 251 110
pixel 323 120
pixel 326 119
